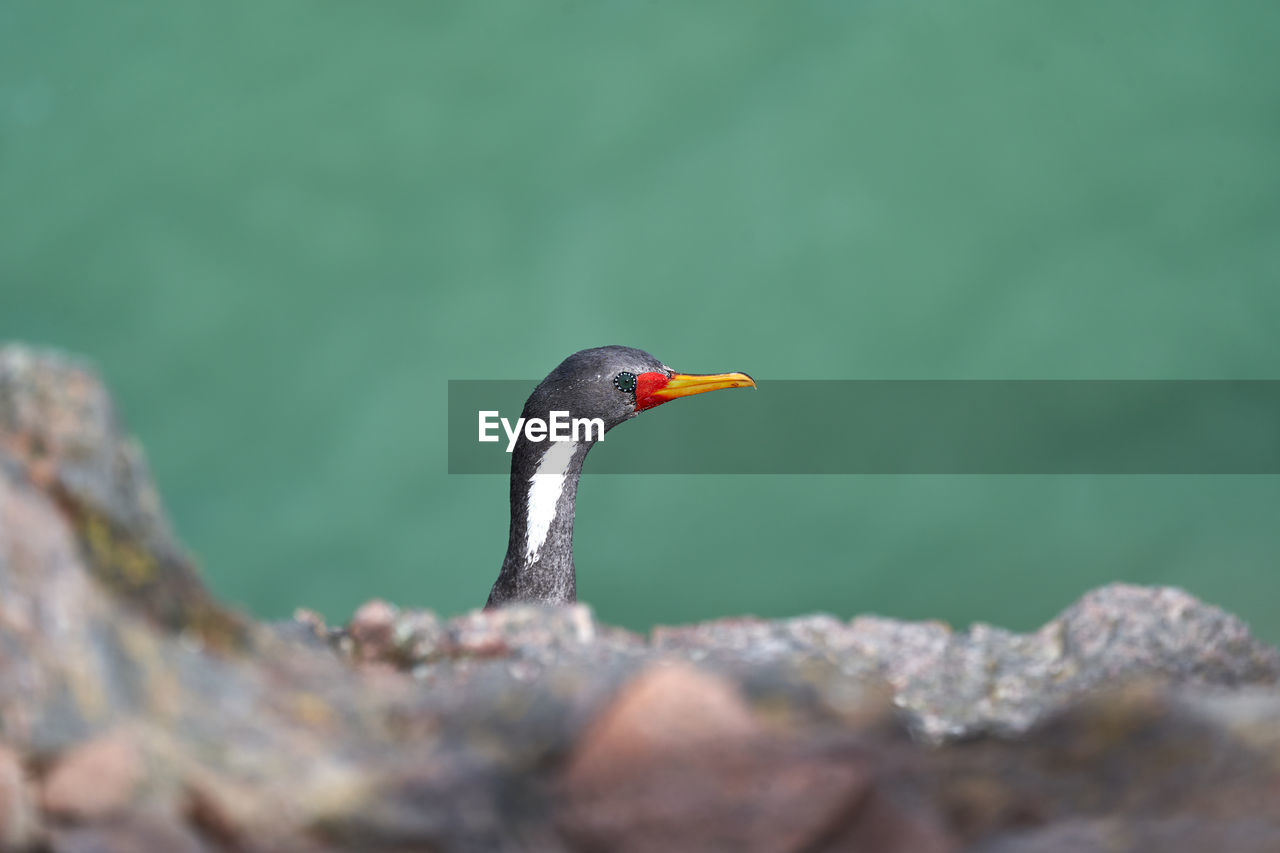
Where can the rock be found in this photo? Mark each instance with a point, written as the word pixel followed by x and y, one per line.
pixel 156 718
pixel 58 427
pixel 1167 835
pixel 95 779
pixel 372 629
pixel 1132 753
pixel 678 761
pixel 957 684
pixel 664 712
pixel 17 812
pixel 132 833
pixel 306 629
pixel 524 639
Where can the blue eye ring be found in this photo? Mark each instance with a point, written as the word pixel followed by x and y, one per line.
pixel 625 381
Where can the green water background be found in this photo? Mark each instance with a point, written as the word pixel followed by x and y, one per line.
pixel 279 228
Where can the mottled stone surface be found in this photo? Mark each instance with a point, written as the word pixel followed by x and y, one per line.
pixel 957 684
pixel 949 685
pixel 1161 835
pixel 95 779
pixel 138 713
pixel 17 809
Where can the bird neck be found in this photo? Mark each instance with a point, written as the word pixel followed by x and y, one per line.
pixel 544 493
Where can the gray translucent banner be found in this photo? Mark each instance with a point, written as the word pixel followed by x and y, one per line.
pixel 916 427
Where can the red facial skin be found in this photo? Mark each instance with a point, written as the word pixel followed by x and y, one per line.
pixel 646 385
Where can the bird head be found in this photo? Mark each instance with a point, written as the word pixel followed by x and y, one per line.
pixel 617 383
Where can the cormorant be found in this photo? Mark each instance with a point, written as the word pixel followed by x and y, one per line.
pixel 613 384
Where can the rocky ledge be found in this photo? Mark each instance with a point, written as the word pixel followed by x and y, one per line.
pixel 138 713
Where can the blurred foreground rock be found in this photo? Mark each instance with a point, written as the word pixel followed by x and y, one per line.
pixel 137 713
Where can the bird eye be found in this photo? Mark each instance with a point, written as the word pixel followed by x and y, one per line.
pixel 625 381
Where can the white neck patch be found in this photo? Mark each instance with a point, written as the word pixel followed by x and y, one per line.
pixel 546 487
